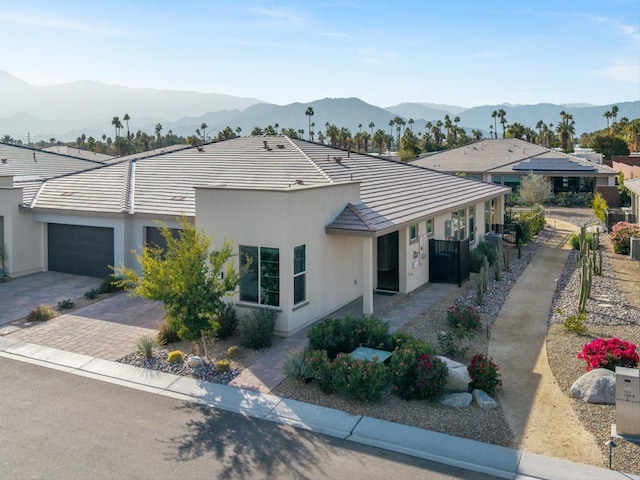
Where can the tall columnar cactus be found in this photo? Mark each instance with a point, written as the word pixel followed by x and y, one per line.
pixel 480 287
pixel 485 276
pixel 497 270
pixel 506 260
pixel 519 248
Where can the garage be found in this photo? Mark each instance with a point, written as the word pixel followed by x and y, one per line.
pixel 80 250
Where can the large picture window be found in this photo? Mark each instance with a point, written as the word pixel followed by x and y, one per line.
pixel 299 274
pixel 260 283
pixel 472 224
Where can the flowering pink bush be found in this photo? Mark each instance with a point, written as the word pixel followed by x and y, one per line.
pixel 609 354
pixel 621 234
pixel 463 316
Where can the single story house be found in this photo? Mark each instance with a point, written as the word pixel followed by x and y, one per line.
pixel 323 226
pixel 634 188
pixel 505 161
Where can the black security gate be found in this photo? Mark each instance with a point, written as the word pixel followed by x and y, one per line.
pixel 448 261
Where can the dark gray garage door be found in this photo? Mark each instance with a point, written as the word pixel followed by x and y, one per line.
pixel 80 250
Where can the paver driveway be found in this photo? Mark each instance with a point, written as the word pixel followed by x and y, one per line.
pixel 19 296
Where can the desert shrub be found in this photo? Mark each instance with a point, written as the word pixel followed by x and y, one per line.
pixel 41 313
pixel 175 356
pixel 226 321
pixel 573 199
pixel 295 366
pixel 484 374
pixel 574 240
pixel 398 340
pixel 322 369
pixel 111 284
pixel 455 343
pixel 485 249
pixel 431 376
pixel 599 206
pixel 345 335
pixel 609 353
pixel 621 234
pixel 223 366
pixel 257 328
pixel 464 316
pixel 145 345
pixel 66 304
pixel 167 332
pixel 91 294
pixel 233 351
pixel 359 379
pixel 476 260
pixel 576 323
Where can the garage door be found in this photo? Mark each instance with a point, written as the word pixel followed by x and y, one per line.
pixel 80 250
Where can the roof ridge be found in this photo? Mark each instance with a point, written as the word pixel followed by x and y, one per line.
pixel 309 159
pixel 352 209
pixel 128 194
pixel 37 194
pixel 40 150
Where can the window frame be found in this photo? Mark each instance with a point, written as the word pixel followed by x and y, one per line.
pixel 300 274
pixel 262 294
pixel 414 231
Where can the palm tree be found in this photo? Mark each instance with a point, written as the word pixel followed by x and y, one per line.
pixel 614 113
pixel 311 132
pixel 539 126
pixel 115 121
pixel 391 124
pixel 332 133
pixel 158 131
pixel 359 127
pixel 126 118
pixel 378 140
pixel 399 124
pixel 257 132
pixel 607 115
pixel 566 129
pixel 516 130
pixel 204 131
pixel 411 122
pixel 447 125
pixel 503 120
pixel 530 135
pixel 371 125
pixel 477 134
pixel 494 115
pixel 309 113
pixel 238 130
pixel 490 131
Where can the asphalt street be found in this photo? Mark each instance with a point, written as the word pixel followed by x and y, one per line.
pixel 56 425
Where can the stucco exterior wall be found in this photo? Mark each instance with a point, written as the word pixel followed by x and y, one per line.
pixel 23 238
pixel 285 219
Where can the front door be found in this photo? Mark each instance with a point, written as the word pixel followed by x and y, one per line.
pixel 388 262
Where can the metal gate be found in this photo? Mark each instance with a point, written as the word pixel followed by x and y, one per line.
pixel 448 261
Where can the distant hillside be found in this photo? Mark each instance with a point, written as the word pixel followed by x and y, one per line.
pixel 67 111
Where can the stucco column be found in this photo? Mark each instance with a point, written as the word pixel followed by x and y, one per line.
pixel 367 276
pixel 499 212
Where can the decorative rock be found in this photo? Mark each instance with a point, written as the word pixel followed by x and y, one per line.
pixel 458 378
pixel 456 400
pixel 195 361
pixel 596 386
pixel 484 401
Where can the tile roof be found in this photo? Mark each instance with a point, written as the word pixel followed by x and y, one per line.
pixel 392 193
pixel 77 152
pixel 501 156
pixel 633 185
pixel 27 164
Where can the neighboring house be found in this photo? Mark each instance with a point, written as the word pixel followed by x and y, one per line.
pixel 629 165
pixel 77 152
pixel 634 188
pixel 322 226
pixel 505 161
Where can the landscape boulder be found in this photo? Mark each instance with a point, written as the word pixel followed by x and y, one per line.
pixel 596 386
pixel 458 378
pixel 456 400
pixel 484 400
pixel 195 361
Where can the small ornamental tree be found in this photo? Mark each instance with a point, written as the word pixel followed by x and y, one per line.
pixel 609 353
pixel 621 234
pixel 186 278
pixel 535 189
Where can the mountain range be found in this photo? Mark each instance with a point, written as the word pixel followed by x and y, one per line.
pixel 68 110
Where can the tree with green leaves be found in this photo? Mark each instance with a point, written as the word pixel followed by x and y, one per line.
pixel 378 140
pixel 189 279
pixel 535 189
pixel 566 130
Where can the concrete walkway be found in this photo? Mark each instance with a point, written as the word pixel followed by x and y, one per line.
pixel 539 414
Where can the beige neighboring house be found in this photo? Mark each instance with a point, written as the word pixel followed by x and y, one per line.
pixel 634 188
pixel 505 161
pixel 322 226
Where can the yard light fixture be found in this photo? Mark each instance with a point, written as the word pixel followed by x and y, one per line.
pixel 611 444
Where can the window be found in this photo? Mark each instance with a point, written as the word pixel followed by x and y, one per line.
pixel 497 179
pixel 458 225
pixel 512 181
pixel 472 224
pixel 430 227
pixel 261 281
pixel 299 274
pixel 488 216
pixel 413 232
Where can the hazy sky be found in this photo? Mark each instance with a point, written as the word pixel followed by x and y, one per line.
pixel 464 53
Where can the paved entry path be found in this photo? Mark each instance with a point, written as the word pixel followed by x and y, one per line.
pixel 539 414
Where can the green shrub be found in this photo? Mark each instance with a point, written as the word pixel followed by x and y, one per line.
pixel 359 379
pixel 574 241
pixel 145 345
pixel 403 372
pixel 226 321
pixel 576 323
pixel 463 316
pixel 295 366
pixel 257 328
pixel 345 335
pixel 398 340
pixel 322 369
pixel 223 366
pixel 111 285
pixel 41 313
pixel 455 343
pixel 573 199
pixel 233 351
pixel 484 374
pixel 91 294
pixel 484 249
pixel 599 206
pixel 66 304
pixel 431 376
pixel 167 332
pixel 175 356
